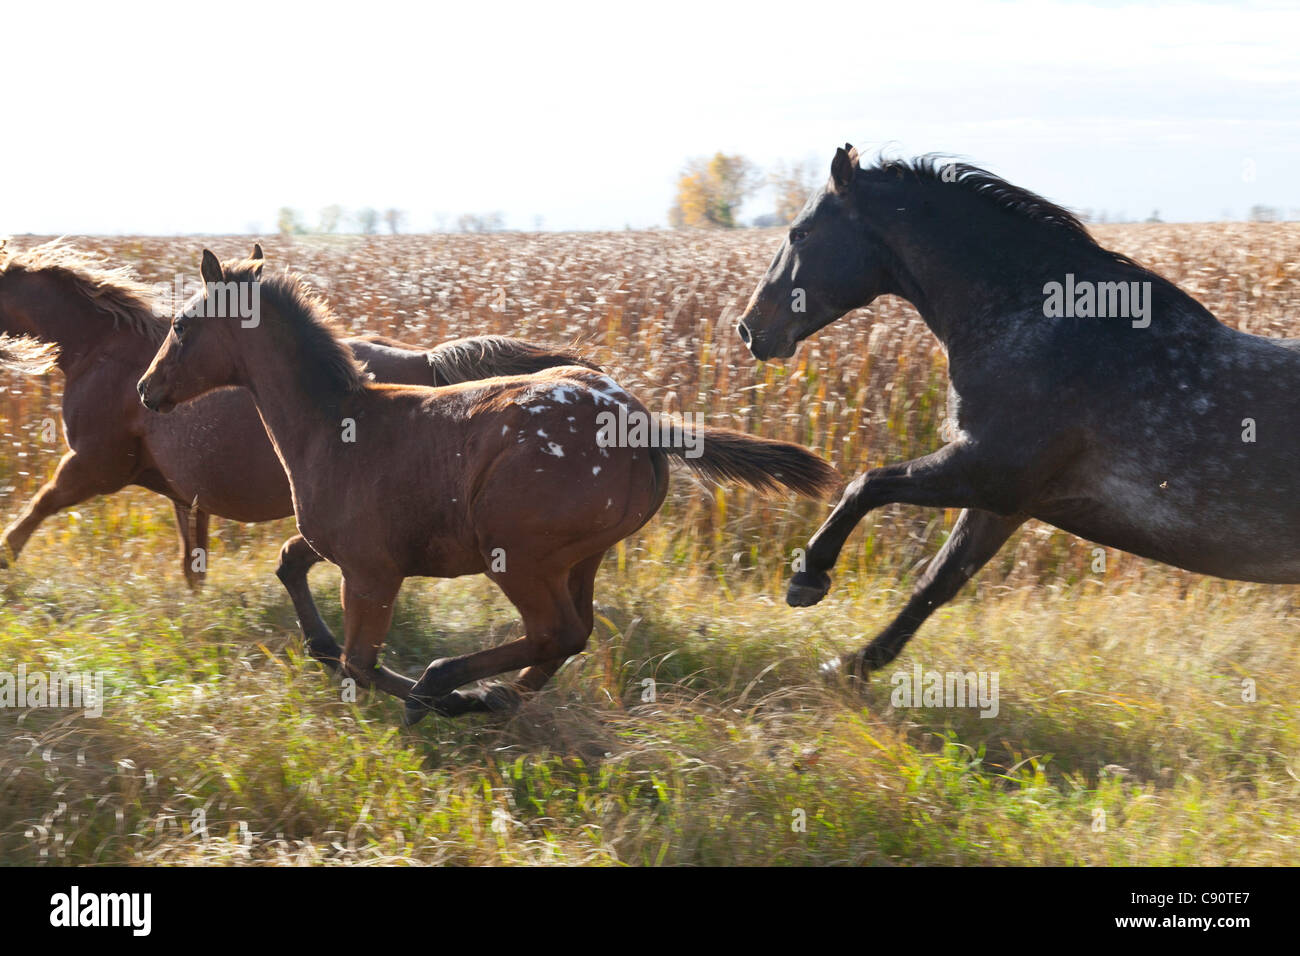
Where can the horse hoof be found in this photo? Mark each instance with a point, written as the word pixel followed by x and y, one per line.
pixel 499 698
pixel 831 670
pixel 806 588
pixel 414 711
pixel 438 680
pixel 325 653
pixel 840 669
pixel 496 698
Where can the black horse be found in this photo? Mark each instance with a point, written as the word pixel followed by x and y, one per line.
pixel 1087 391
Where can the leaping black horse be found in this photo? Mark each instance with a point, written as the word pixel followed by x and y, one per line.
pixel 1088 392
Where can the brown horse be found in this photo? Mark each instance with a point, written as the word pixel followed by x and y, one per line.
pixel 521 478
pixel 99 326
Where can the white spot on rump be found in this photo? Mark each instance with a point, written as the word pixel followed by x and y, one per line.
pixel 610 392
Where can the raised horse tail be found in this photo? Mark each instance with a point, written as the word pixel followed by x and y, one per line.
pixel 761 464
pixel 26 355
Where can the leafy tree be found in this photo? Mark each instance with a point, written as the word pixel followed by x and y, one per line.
pixel 710 191
pixel 367 220
pixel 489 222
pixel 288 223
pixel 330 217
pixel 793 185
pixel 393 218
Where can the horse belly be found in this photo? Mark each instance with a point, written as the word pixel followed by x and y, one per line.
pixel 1185 521
pixel 214 450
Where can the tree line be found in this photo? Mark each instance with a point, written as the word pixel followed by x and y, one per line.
pixel 711 191
pixel 367 222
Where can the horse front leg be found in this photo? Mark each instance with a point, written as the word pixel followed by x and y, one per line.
pixel 975 538
pixel 297 558
pixel 938 480
pixel 75 480
pixel 192 526
pixel 367 616
pixel 202 523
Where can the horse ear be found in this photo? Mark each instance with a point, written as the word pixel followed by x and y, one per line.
pixel 210 269
pixel 844 167
pixel 257 251
pixel 259 260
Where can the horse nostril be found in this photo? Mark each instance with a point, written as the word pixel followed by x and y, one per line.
pixel 743 331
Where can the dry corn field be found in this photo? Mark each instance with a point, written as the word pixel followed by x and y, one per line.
pixel 695 728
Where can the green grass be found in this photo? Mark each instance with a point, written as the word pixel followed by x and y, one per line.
pixel 1122 696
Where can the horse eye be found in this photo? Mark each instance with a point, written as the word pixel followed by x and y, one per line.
pixel 798 235
pixel 179 328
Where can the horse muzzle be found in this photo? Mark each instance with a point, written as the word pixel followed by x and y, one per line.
pixel 152 402
pixel 761 345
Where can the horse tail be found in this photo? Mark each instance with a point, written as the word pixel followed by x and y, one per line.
pixel 763 465
pixel 26 355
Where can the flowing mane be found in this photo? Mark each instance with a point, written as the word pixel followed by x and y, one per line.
pixel 461 360
pixel 328 364
pixel 26 355
pixel 938 168
pixel 113 291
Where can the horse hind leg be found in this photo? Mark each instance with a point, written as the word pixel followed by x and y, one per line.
pixel 975 538
pixel 554 630
pixel 504 696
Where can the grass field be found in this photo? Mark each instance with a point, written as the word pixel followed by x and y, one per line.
pixel 1125 731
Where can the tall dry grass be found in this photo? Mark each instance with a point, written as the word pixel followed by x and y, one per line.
pixel 658 310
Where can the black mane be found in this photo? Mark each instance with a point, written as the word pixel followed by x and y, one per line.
pixel 1021 202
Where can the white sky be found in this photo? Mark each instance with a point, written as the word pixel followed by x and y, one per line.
pixel 165 118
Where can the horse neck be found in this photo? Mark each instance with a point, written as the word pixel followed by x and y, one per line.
pixel 967 275
pixel 294 414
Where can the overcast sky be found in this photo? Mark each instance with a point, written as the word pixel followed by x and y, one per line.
pixel 141 118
